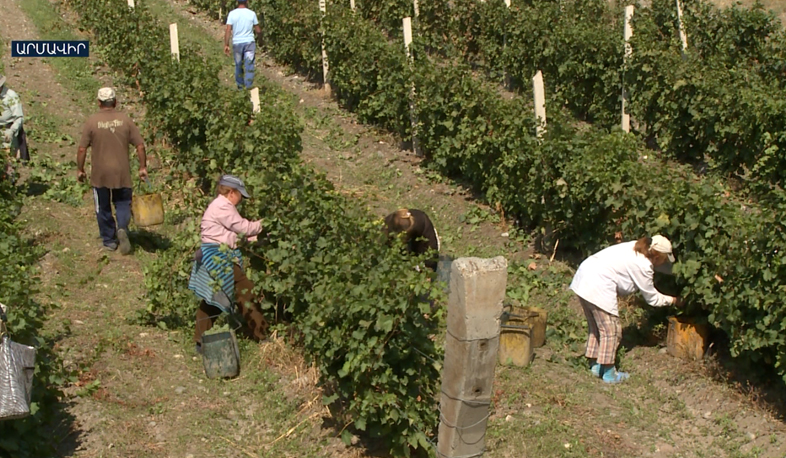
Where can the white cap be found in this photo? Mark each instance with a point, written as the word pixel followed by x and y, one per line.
pixel 662 245
pixel 106 94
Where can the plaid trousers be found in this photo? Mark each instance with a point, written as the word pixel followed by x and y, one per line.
pixel 605 333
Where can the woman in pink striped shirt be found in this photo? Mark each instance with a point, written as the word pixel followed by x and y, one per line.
pixel 220 261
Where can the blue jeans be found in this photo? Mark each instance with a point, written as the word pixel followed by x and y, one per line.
pixel 244 60
pixel 104 198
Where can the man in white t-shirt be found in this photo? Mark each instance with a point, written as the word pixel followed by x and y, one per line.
pixel 241 25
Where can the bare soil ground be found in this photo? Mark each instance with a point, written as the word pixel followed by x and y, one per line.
pixel 776 6
pixel 140 391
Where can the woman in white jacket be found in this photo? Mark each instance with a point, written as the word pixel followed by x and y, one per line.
pixel 618 270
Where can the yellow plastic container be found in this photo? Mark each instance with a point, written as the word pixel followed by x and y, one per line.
pixel 515 341
pixel 686 339
pixel 535 318
pixel 148 210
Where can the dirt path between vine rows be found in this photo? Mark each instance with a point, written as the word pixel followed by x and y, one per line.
pixel 778 7
pixel 671 408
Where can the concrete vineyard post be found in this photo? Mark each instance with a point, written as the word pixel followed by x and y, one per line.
pixel 325 67
pixel 628 51
pixel 255 99
pixel 416 7
pixel 407 24
pixel 174 44
pixel 540 103
pixel 683 35
pixel 477 289
pixel 131 4
pixel 352 4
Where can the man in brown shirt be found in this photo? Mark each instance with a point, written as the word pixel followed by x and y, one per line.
pixel 109 132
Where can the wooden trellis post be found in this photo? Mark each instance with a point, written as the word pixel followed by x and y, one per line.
pixel 683 35
pixel 628 51
pixel 174 44
pixel 325 67
pixel 407 23
pixel 255 99
pixel 540 103
pixel 508 82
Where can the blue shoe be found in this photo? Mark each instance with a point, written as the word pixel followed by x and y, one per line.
pixel 595 369
pixel 614 376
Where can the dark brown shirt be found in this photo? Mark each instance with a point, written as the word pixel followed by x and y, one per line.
pixel 109 132
pixel 421 237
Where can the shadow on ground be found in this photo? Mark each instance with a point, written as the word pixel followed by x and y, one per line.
pixel 67 437
pixel 371 447
pixel 151 242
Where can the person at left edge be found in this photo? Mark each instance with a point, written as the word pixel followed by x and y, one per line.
pixel 241 25
pixel 11 125
pixel 108 133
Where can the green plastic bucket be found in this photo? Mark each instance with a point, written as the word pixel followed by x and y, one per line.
pixel 220 355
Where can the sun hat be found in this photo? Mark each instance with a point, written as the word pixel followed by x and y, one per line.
pixel 234 183
pixel 2 80
pixel 662 245
pixel 105 94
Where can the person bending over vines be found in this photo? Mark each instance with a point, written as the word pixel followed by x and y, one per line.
pixel 219 261
pixel 420 234
pixel 620 269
